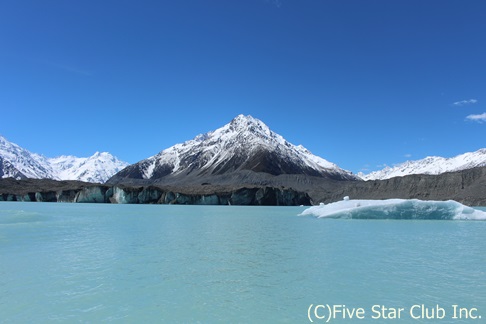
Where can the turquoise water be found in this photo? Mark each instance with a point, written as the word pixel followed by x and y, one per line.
pixel 159 263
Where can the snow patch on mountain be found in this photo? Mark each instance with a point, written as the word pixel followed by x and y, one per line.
pixel 19 163
pixel 430 165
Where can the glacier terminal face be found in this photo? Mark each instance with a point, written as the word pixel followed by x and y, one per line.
pixel 395 209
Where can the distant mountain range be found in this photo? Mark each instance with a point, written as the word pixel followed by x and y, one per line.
pixel 242 151
pixel 241 163
pixel 433 165
pixel 17 162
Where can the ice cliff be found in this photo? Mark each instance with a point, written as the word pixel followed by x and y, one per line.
pixel 55 191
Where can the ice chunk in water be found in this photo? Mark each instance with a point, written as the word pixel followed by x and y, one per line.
pixel 395 209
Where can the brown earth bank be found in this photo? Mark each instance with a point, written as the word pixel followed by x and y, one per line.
pixel 253 188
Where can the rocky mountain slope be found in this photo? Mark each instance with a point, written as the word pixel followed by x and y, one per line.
pixel 465 186
pixel 244 150
pixel 19 163
pixel 431 165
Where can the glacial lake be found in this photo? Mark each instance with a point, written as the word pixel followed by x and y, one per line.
pixel 65 263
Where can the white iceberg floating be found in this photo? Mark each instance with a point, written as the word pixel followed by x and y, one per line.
pixel 395 209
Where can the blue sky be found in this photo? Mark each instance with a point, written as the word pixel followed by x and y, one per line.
pixel 361 83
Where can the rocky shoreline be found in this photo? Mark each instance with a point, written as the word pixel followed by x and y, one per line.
pixel 467 187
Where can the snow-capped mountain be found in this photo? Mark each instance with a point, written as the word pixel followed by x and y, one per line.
pixel 244 144
pixel 97 168
pixel 22 163
pixel 7 170
pixel 431 165
pixel 19 163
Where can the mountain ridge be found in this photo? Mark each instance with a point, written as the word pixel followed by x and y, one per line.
pixel 244 144
pixel 432 165
pixel 243 152
pixel 243 162
pixel 19 163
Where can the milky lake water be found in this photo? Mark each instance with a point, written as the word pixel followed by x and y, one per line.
pixel 159 263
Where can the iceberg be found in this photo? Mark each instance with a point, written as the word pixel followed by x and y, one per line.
pixel 395 209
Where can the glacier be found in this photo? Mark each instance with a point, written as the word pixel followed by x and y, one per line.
pixel 395 209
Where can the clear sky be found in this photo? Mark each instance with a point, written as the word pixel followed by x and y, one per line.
pixel 360 83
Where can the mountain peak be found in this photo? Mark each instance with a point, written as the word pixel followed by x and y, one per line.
pixel 19 163
pixel 246 122
pixel 243 119
pixel 239 124
pixel 243 126
pixel 431 165
pixel 102 156
pixel 244 144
